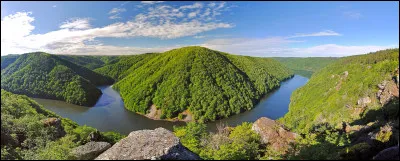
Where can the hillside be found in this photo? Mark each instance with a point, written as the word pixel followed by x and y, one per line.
pixel 209 84
pixel 90 62
pixel 350 104
pixel 30 132
pixel 48 76
pixel 7 60
pixel 124 65
pixel 305 66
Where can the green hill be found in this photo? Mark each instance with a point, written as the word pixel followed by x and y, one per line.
pixel 332 93
pixel 208 83
pixel 305 66
pixel 48 76
pixel 26 134
pixel 7 60
pixel 124 65
pixel 90 62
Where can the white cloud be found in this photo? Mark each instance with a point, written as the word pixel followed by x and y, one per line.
pixel 322 33
pixel 151 2
pixel 117 10
pixel 164 22
pixel 193 6
pixel 199 37
pixel 78 23
pixel 352 14
pixel 54 6
pixel 278 47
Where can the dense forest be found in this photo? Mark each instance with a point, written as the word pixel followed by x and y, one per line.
pixel 211 84
pixel 305 66
pixel 91 62
pixel 30 132
pixel 355 93
pixel 331 115
pixel 49 76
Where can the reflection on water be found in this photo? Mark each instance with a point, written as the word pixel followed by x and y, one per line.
pixel 109 113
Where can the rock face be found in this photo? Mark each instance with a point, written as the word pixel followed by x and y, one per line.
pixel 387 91
pixel 90 150
pixel 148 144
pixel 56 123
pixel 274 134
pixel 364 101
pixel 391 153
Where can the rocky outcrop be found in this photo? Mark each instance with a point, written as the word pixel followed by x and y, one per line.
pixel 90 150
pixel 273 134
pixel 387 91
pixel 148 144
pixel 56 123
pixel 391 153
pixel 362 102
pixel 94 136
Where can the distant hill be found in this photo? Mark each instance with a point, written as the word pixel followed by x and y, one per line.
pixel 49 76
pixel 209 84
pixel 305 66
pixel 7 60
pixel 90 62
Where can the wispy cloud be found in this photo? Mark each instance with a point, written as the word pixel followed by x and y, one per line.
pixel 199 37
pixel 54 6
pixel 116 12
pixel 77 35
pixel 352 14
pixel 151 2
pixel 322 33
pixel 76 23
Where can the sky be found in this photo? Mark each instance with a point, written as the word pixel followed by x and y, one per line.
pixel 262 29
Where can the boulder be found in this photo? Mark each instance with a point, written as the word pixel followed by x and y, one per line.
pixel 273 134
pixel 90 150
pixel 391 153
pixel 364 101
pixel 149 144
pixel 56 123
pixel 387 91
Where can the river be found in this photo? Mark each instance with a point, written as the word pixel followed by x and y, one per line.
pixel 109 113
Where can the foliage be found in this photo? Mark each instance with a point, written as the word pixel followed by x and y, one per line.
pixel 48 76
pixel 240 143
pixel 90 62
pixel 24 136
pixel 306 66
pixel 329 93
pixel 211 84
pixel 7 60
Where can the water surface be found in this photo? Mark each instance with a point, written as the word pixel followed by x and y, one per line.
pixel 109 113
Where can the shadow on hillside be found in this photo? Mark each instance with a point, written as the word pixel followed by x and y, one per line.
pixel 363 144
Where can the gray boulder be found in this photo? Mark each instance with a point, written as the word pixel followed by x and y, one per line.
pixel 149 144
pixel 90 150
pixel 391 153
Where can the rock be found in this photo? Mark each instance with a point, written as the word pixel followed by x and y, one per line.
pixel 388 91
pixel 90 150
pixel 391 153
pixel 274 134
pixel 346 73
pixel 56 123
pixel 364 101
pixel 148 144
pixel 94 136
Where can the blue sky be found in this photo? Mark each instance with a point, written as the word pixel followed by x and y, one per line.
pixel 305 29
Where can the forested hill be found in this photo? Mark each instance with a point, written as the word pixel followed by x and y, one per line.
pixel 91 62
pixel 48 76
pixel 305 66
pixel 350 106
pixel 208 83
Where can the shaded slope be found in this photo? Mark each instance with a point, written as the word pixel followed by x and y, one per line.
pixel 211 84
pixel 7 60
pixel 90 62
pixel 305 66
pixel 48 76
pixel 337 93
